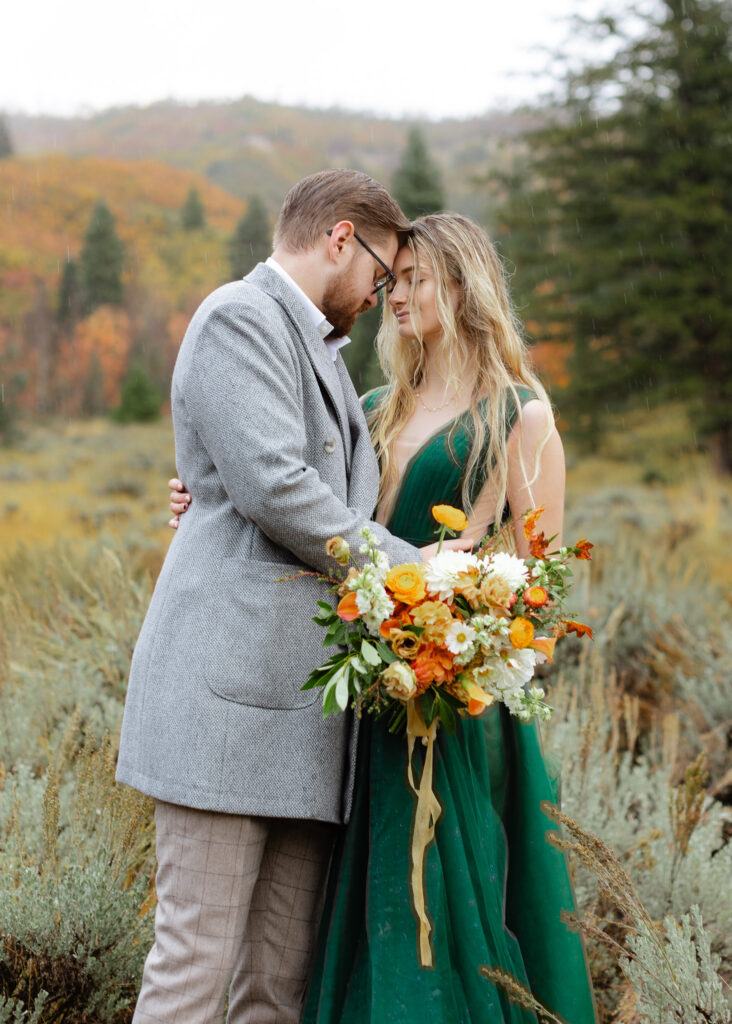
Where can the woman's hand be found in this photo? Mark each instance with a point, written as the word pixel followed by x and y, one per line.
pixel 457 544
pixel 179 501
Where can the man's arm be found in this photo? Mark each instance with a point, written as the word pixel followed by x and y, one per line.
pixel 241 394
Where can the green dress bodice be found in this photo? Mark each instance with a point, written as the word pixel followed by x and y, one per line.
pixel 495 888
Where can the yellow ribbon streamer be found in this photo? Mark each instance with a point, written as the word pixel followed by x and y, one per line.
pixel 427 810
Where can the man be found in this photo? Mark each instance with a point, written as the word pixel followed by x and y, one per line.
pixel 249 780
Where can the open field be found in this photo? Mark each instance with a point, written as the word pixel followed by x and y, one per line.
pixel 83 508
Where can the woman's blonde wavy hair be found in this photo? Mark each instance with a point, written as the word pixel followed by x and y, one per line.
pixel 483 331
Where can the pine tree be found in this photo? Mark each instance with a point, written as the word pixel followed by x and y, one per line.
pixel 417 183
pixel 192 214
pixel 620 228
pixel 140 399
pixel 6 145
pixel 252 239
pixel 68 309
pixel 102 259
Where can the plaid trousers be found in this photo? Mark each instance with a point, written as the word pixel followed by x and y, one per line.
pixel 239 900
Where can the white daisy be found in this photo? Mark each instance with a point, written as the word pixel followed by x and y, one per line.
pixel 460 638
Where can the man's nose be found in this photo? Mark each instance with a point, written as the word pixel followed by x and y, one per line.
pixel 372 299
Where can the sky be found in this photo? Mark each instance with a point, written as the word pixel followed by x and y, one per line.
pixel 406 57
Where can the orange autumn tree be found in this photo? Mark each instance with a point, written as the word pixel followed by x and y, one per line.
pixel 94 362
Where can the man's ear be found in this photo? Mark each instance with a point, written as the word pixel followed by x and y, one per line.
pixel 338 238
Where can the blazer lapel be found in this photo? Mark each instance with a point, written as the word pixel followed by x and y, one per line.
pixel 320 358
pixel 363 481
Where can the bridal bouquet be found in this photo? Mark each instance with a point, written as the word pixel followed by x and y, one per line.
pixel 455 634
pixel 423 643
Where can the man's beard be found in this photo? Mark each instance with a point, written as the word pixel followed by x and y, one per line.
pixel 338 307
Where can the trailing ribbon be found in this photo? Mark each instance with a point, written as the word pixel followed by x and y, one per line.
pixel 427 810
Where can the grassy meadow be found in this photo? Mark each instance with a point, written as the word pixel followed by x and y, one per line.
pixel 642 728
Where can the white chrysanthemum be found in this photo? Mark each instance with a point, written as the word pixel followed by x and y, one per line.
pixel 460 638
pixel 508 568
pixel 443 570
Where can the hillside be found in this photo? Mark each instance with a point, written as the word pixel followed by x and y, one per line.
pixel 46 205
pixel 47 202
pixel 249 146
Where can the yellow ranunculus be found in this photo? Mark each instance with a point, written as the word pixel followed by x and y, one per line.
pixel 407 583
pixel 452 518
pixel 521 632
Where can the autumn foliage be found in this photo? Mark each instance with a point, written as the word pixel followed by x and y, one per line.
pixel 61 360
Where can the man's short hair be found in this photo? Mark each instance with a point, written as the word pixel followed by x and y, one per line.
pixel 321 200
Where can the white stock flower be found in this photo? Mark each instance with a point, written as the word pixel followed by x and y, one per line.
pixel 443 570
pixel 373 603
pixel 460 638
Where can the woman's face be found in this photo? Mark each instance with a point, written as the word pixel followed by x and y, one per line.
pixel 425 296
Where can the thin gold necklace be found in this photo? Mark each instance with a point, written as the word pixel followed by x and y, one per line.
pixel 436 408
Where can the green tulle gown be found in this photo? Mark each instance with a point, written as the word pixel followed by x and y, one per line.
pixel 495 888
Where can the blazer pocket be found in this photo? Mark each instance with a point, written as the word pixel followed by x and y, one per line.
pixel 260 641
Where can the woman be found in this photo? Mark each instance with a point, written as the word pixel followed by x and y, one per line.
pixel 464 421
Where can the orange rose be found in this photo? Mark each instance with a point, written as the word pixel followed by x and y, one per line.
pixel 521 632
pixel 452 518
pixel 347 608
pixel 433 665
pixel 535 597
pixel 407 583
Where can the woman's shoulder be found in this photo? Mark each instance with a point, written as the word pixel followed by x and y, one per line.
pixel 373 398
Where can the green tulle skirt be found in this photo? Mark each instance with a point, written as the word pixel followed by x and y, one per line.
pixel 495 889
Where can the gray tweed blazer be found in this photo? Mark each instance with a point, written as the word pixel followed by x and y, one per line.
pixel 272 442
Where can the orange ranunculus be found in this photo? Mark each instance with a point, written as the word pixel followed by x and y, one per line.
pixel 347 608
pixel 478 700
pixel 538 545
pixel 387 625
pixel 582 550
pixel 452 518
pixel 433 665
pixel 535 597
pixel 544 644
pixel 407 583
pixel 530 520
pixel 577 627
pixel 521 632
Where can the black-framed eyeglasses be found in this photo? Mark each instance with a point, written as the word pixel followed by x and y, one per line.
pixel 389 278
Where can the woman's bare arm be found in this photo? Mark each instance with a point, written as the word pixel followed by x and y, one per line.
pixel 548 487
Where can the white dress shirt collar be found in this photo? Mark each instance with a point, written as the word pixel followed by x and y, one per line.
pixel 316 316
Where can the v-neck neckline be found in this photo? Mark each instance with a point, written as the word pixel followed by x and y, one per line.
pixel 448 424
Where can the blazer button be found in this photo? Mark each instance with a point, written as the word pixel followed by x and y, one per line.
pixel 329 446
